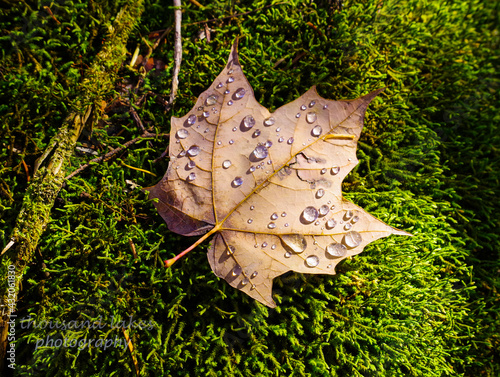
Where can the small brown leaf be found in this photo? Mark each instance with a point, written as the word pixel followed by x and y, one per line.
pixel 268 185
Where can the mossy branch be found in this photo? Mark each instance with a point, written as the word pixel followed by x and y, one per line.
pixel 50 175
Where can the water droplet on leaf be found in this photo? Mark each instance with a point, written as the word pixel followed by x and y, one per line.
pixel 260 152
pixel 237 270
pixel 296 242
pixel 352 239
pixel 256 133
pixel 312 103
pixel 330 224
pixel 211 100
pixel 290 141
pixel 274 216
pixel 348 215
pixel 271 225
pixel 310 214
pixel 191 119
pixel 191 177
pixel 335 170
pixel 239 93
pixel 311 117
pixel 193 151
pixel 316 131
pixel 269 121
pixel 347 226
pixel 248 122
pixel 355 219
pixel 323 210
pixel 238 181
pixel 230 79
pixel 312 261
pixel 336 250
pixel 226 164
pixel 182 133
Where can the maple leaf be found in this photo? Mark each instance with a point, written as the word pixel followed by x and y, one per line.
pixel 268 185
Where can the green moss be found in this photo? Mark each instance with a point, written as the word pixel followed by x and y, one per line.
pixel 429 164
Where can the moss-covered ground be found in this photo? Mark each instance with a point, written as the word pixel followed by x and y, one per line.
pixel 426 305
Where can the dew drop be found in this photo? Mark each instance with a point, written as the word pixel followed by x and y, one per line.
pixel 191 119
pixel 323 210
pixel 297 115
pixel 336 250
pixel 206 114
pixel 269 144
pixel 238 181
pixel 288 254
pixel 310 214
pixel 226 164
pixel 303 107
pixel 219 142
pixel 273 247
pixel 347 226
pixel 269 121
pixel 260 152
pixel 290 141
pixel 211 100
pixel 316 223
pixel 249 221
pixel 274 216
pixel 244 282
pixel 312 261
pixel 312 103
pixel 332 207
pixel 206 130
pixel 348 215
pixel 330 224
pixel 355 219
pixel 235 129
pixel 316 131
pixel 255 272
pixel 256 245
pixel 283 214
pixel 193 151
pixel 295 242
pixel 227 91
pixel 237 270
pixel 264 244
pixel 191 177
pixel 311 117
pixel 191 165
pixel 182 133
pixel 271 225
pixel 248 122
pixel 278 129
pixel 286 225
pixel 230 71
pixel 229 103
pixel 323 171
pixel 256 133
pixel 320 193
pixel 352 239
pixel 239 93
pixel 230 79
pixel 325 107
pixel 182 154
pixel 231 141
pixel 335 170
pixel 230 250
pixel 280 140
pixel 252 208
pixel 252 169
pixel 220 85
pixel 269 163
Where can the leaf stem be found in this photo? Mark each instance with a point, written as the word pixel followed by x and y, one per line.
pixel 171 261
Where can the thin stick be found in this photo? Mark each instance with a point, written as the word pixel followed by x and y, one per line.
pixel 108 155
pixel 177 50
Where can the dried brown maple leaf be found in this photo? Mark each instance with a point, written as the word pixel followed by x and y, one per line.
pixel 268 185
